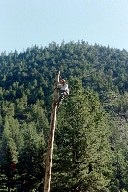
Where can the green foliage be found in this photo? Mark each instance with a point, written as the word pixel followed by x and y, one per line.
pixel 82 158
pixel 10 155
pixel 82 141
pixel 31 165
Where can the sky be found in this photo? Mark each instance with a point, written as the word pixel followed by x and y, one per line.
pixel 25 23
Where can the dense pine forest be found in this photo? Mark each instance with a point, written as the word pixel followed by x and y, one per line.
pixel 91 138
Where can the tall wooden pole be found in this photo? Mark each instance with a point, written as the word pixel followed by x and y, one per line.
pixel 47 180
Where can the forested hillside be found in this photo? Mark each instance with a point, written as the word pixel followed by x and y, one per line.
pixel 90 152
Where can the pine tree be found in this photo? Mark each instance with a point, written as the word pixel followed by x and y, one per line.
pixel 38 115
pixel 31 165
pixel 82 144
pixel 10 156
pixel 119 149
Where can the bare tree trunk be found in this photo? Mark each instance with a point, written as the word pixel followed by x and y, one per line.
pixel 51 137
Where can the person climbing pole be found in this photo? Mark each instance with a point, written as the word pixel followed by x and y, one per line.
pixel 63 89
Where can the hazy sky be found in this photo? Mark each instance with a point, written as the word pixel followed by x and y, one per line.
pixel 24 23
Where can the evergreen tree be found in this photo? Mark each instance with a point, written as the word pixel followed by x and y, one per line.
pixel 31 159
pixel 119 161
pixel 82 144
pixel 10 155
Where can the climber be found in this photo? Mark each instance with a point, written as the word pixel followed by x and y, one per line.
pixel 64 90
pixel 63 86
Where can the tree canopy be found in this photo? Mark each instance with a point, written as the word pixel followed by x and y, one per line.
pixel 90 152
